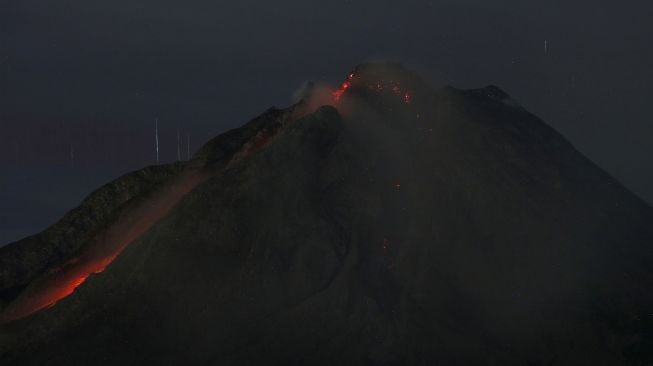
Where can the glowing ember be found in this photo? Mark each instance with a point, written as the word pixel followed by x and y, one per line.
pixel 379 85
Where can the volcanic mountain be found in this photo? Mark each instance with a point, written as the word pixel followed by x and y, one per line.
pixel 390 223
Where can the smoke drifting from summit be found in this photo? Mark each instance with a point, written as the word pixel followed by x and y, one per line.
pixel 378 78
pixel 314 95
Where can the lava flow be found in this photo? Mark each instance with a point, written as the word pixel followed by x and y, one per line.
pixel 378 86
pixel 62 281
pixel 343 87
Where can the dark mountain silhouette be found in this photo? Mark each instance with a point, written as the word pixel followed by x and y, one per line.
pixel 398 225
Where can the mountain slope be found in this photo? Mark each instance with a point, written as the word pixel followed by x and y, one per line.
pixel 405 226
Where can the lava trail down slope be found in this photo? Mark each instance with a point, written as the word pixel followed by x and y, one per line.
pixel 390 223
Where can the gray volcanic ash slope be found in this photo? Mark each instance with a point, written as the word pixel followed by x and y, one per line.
pixel 405 225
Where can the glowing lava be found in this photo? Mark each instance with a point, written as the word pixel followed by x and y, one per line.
pixel 343 87
pixel 62 281
pixel 378 86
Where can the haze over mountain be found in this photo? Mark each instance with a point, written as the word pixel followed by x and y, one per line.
pixel 382 223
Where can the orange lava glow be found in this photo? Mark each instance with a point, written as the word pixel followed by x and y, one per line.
pixel 256 143
pixel 62 281
pixel 343 87
pixel 381 85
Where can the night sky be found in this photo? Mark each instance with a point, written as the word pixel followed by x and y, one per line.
pixel 82 81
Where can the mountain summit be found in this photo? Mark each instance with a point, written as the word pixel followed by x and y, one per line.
pixel 386 223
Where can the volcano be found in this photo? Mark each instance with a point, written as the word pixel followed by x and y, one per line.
pixel 390 223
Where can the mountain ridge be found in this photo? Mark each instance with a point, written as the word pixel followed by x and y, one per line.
pixel 403 226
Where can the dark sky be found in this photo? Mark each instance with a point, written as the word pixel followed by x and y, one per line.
pixel 82 81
